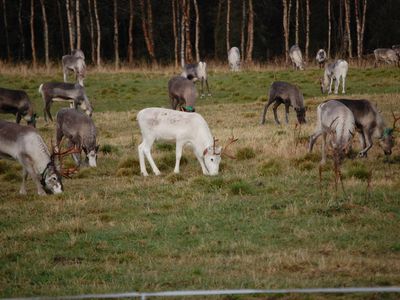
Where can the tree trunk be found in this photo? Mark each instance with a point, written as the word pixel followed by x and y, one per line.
pixel 329 29
pixel 92 42
pixel 147 25
pixel 60 19
pixel 116 38
pixel 189 54
pixel 46 35
pixel 250 34
pixel 348 32
pixel 175 31
pixel 307 28
pixel 360 21
pixel 98 30
pixel 196 43
pixel 242 34
pixel 216 29
pixel 182 28
pixel 6 31
pixel 21 32
pixel 32 21
pixel 78 25
pixel 297 23
pixel 130 31
pixel 286 29
pixel 70 33
pixel 228 17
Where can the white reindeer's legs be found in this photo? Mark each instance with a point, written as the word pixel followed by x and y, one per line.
pixel 343 84
pixel 323 153
pixel 28 168
pixel 178 155
pixel 201 161
pixel 144 149
pixel 330 86
pixel 65 75
pixel 337 81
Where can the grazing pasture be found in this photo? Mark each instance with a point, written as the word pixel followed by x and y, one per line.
pixel 268 220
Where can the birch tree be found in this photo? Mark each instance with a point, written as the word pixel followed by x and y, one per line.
pixel 228 18
pixel 91 32
pixel 175 31
pixel 360 21
pixel 329 29
pixel 6 30
pixel 130 31
pixel 285 22
pixel 70 29
pixel 297 23
pixel 308 12
pixel 242 34
pixel 147 26
pixel 32 23
pixel 197 37
pixel 45 34
pixel 250 34
pixel 78 24
pixel 21 31
pixel 98 32
pixel 116 38
pixel 348 31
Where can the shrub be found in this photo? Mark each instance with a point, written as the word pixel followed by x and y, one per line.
pixel 108 149
pixel 270 167
pixel 359 172
pixel 165 147
pixel 240 187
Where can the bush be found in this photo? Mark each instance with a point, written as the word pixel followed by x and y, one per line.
pixel 270 167
pixel 241 187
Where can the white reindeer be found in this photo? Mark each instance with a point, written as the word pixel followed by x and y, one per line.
pixel 337 119
pixel 296 57
pixel 183 128
pixel 334 71
pixel 321 58
pixel 234 59
pixel 75 62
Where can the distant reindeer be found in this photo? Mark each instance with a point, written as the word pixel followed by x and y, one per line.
pixel 65 92
pixel 197 72
pixel 182 128
pixel 388 56
pixel 182 93
pixel 18 103
pixel 321 58
pixel 75 62
pixel 335 119
pixel 288 94
pixel 24 144
pixel 81 133
pixel 370 124
pixel 234 59
pixel 333 72
pixel 296 57
pixel 396 48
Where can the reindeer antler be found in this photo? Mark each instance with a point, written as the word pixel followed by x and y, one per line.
pixel 215 140
pixel 69 171
pixel 395 119
pixel 230 141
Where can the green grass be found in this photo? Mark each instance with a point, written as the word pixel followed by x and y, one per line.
pixel 266 221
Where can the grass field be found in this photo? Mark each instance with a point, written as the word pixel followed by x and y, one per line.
pixel 267 221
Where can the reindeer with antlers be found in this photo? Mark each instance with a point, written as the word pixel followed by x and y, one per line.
pixel 183 128
pixel 25 145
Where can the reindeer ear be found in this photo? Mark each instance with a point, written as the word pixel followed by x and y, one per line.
pixel 205 151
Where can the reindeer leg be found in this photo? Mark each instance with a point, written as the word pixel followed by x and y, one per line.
pixel 323 153
pixel 18 117
pixel 178 155
pixel 208 88
pixel 26 161
pixel 262 121
pixel 367 144
pixel 142 162
pixel 330 85
pixel 202 88
pixel 343 84
pixel 145 148
pixel 313 138
pixel 287 113
pixel 47 112
pixel 337 81
pixel 22 189
pixel 274 108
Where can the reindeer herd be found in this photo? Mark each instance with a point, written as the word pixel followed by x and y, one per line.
pixel 337 120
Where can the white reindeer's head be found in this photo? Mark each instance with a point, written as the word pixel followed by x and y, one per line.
pixel 91 156
pixel 212 156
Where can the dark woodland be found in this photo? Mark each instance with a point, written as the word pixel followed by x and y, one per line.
pixel 145 29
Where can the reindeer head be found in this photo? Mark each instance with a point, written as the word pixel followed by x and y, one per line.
pixel 212 155
pixel 91 155
pixel 301 114
pixel 387 140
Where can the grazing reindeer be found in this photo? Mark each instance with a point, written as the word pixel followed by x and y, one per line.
pixel 25 145
pixel 388 56
pixel 197 72
pixel 18 103
pixel 396 49
pixel 183 128
pixel 182 93
pixel 234 59
pixel 61 91
pixel 370 124
pixel 334 117
pixel 75 63
pixel 288 94
pixel 80 131
pixel 321 58
pixel 334 71
pixel 296 57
